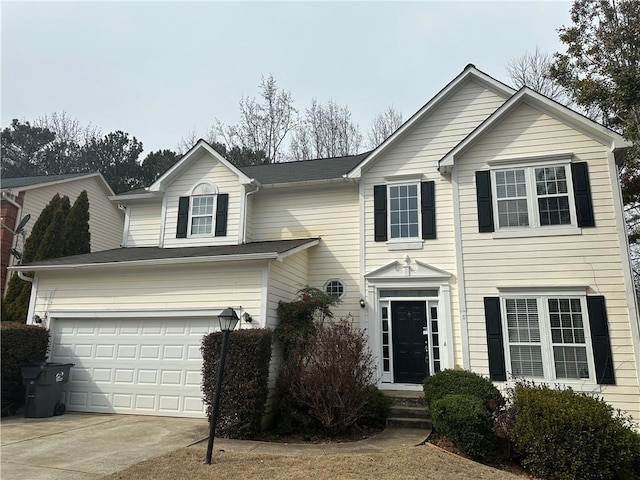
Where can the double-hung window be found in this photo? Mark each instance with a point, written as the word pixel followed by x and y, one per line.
pixel 546 338
pixel 202 209
pixel 404 212
pixel 534 196
pixel 203 213
pixel 404 218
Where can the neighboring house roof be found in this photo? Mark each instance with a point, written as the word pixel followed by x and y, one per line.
pixel 28 183
pixel 304 170
pixel 275 250
pixel 469 72
pixel 607 137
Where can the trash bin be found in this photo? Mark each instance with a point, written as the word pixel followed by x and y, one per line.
pixel 43 383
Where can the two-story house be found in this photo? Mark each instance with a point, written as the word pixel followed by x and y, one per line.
pixel 486 233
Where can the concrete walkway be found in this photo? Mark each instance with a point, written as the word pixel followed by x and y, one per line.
pixel 83 446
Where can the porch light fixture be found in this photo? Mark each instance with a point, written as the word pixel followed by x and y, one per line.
pixel 362 303
pixel 228 319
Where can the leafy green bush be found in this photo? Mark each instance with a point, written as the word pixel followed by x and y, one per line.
pixel 327 382
pixel 21 344
pixel 561 434
pixel 462 382
pixel 244 387
pixel 297 319
pixel 466 422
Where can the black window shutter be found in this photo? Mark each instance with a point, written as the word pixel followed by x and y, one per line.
pixel 221 214
pixel 495 346
pixel 183 217
pixel 485 201
pixel 428 200
pixel 380 212
pixel 582 193
pixel 600 340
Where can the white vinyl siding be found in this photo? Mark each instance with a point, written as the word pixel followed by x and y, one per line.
pixel 144 224
pixel 329 212
pixel 206 168
pixel 105 220
pixel 591 258
pixel 187 287
pixel 418 154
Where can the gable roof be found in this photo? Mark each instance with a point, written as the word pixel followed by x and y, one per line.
pixel 189 157
pixel 268 250
pixel 552 108
pixel 304 170
pixel 27 183
pixel 469 73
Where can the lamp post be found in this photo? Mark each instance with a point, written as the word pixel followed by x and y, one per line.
pixel 228 320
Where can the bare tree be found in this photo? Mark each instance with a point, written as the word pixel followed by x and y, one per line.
pixel 68 129
pixel 192 136
pixel 264 122
pixel 533 70
pixel 325 131
pixel 383 125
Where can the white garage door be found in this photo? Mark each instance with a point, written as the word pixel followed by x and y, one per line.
pixel 142 366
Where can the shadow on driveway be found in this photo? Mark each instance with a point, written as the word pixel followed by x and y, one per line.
pixel 81 446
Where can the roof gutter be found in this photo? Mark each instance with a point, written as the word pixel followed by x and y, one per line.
pixel 151 262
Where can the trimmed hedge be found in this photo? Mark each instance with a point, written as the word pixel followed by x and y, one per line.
pixel 462 382
pixel 244 387
pixel 566 435
pixel 21 344
pixel 465 421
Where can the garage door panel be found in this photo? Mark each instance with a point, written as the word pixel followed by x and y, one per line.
pixel 141 366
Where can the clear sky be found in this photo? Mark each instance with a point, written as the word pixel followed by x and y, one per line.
pixel 159 70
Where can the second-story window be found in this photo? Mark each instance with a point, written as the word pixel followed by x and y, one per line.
pixel 202 209
pixel 403 211
pixel 203 213
pixel 533 197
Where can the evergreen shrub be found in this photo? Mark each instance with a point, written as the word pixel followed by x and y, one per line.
pixel 467 423
pixel 462 382
pixel 562 434
pixel 245 383
pixel 21 344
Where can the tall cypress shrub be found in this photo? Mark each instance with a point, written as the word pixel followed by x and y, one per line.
pixel 59 230
pixel 76 227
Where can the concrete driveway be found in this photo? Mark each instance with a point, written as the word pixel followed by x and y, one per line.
pixel 82 446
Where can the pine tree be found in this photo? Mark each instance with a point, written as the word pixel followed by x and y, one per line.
pixel 76 227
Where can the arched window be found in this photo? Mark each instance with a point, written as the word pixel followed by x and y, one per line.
pixel 202 209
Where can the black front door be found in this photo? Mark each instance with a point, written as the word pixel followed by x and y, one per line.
pixel 408 319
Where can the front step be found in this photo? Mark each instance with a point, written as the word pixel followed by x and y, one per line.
pixel 408 410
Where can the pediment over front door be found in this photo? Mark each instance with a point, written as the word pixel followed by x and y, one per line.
pixel 408 268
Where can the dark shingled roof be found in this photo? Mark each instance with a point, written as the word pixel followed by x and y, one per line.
pixel 119 255
pixel 29 181
pixel 304 170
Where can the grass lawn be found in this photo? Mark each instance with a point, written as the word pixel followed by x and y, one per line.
pixel 421 462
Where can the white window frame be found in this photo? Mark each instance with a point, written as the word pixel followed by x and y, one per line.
pixel 546 344
pixel 344 287
pixel 203 190
pixel 535 227
pixel 418 237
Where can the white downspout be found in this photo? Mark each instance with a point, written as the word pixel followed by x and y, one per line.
pixel 245 215
pixel 22 276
